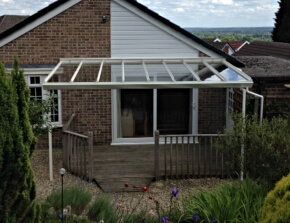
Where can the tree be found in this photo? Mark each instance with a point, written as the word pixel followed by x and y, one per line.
pixel 23 93
pixel 17 186
pixel 281 31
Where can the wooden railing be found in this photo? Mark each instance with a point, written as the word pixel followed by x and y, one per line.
pixel 77 151
pixel 188 156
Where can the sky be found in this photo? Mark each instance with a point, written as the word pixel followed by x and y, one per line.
pixel 185 13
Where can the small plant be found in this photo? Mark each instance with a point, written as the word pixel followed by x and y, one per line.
pixel 76 198
pixel 102 210
pixel 277 203
pixel 231 202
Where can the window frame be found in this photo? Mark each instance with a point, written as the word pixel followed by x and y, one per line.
pixel 42 73
pixel 150 140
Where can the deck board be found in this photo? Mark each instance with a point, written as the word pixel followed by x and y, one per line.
pixel 116 165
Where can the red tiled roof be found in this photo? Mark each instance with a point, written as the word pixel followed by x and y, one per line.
pixel 274 49
pixel 8 21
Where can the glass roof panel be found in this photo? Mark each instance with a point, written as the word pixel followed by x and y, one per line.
pixel 157 72
pixel 180 72
pixel 134 73
pixel 231 75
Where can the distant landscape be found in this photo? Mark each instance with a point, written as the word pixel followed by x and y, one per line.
pixel 234 33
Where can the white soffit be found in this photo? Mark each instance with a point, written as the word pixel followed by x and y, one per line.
pixel 146 74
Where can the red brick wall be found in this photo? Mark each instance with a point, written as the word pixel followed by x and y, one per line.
pixel 212 110
pixel 77 32
pixel 276 95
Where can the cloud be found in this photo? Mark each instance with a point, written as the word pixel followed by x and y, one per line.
pixel 185 13
pixel 179 10
pixel 223 2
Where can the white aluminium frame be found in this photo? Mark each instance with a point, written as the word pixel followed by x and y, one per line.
pixel 209 64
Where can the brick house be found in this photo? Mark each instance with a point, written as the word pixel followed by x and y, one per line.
pixel 268 63
pixel 122 30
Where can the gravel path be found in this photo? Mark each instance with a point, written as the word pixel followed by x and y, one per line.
pixel 160 190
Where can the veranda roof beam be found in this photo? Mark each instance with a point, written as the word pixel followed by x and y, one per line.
pixel 145 85
pixel 168 71
pixel 214 70
pixel 49 76
pixel 100 71
pixel 146 71
pixel 123 71
pixel 191 71
pixel 76 72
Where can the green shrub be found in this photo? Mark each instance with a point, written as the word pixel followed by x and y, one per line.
pixel 231 202
pixel 102 209
pixel 277 203
pixel 17 142
pixel 77 198
pixel 266 148
pixel 252 196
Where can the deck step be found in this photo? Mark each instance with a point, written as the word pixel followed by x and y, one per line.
pixel 118 184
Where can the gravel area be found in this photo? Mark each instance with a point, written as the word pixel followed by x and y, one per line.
pixel 160 191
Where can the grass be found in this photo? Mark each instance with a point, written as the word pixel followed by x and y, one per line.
pixel 77 198
pixel 230 202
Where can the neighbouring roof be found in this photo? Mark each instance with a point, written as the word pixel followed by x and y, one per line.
pixel 274 49
pixel 265 66
pixel 8 21
pixel 219 45
pixel 237 45
pixel 141 7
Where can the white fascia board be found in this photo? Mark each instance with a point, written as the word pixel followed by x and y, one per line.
pixel 146 85
pixel 167 29
pixel 38 22
pixel 246 42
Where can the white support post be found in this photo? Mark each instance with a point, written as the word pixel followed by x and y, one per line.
pixel 50 154
pixel 243 134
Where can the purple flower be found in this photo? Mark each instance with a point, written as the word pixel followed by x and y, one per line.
pixel 214 220
pixel 195 218
pixel 175 192
pixel 165 220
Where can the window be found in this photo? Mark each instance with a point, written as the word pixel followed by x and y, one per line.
pixel 230 107
pixel 136 113
pixel 38 93
pixel 173 111
pixel 141 111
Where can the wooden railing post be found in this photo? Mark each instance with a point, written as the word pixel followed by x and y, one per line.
pixel 91 158
pixel 157 155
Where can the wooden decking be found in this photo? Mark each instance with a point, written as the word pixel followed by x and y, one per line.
pixel 182 156
pixel 116 165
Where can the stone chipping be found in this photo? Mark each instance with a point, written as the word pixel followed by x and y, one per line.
pixel 160 191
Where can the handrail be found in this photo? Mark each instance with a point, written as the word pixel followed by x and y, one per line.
pixel 76 134
pixel 67 125
pixel 77 151
pixel 188 156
